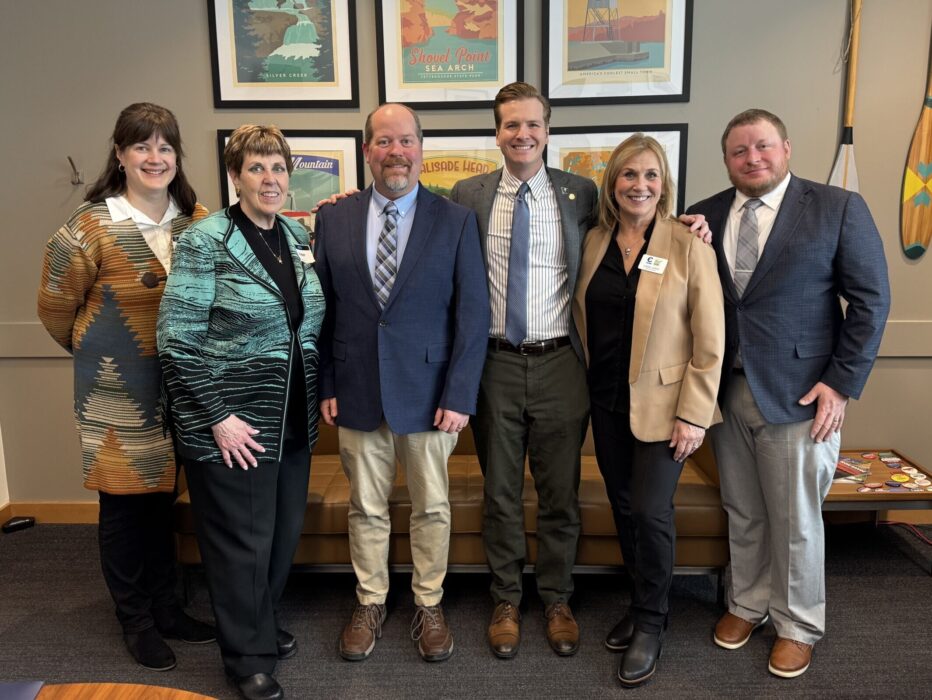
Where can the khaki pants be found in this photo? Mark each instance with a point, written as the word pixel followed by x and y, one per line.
pixel 369 460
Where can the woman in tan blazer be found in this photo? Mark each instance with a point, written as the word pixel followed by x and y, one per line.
pixel 648 308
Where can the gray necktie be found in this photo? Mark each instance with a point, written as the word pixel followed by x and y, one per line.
pixel 747 252
pixel 518 262
pixel 386 264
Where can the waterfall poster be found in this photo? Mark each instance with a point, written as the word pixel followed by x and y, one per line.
pixel 585 151
pixel 451 156
pixel 434 52
pixel 288 52
pixel 616 51
pixel 323 163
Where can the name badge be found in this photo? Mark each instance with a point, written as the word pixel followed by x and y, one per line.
pixel 651 263
pixel 304 252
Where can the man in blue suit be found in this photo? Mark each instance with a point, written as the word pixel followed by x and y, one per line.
pixel 402 348
pixel 790 250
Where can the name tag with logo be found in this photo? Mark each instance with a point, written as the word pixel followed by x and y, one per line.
pixel 304 252
pixel 651 263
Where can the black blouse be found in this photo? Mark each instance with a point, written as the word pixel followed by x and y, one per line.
pixel 610 301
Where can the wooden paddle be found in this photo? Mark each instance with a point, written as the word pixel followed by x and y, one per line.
pixel 916 210
pixel 845 172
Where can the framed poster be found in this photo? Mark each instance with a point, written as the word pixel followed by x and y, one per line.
pixel 448 54
pixel 612 52
pixel 283 53
pixel 585 150
pixel 325 163
pixel 456 154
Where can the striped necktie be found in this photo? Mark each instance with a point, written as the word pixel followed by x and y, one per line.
pixel 386 263
pixel 747 252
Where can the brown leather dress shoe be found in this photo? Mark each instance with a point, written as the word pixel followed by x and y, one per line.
pixel 505 630
pixel 789 658
pixel 358 637
pixel 562 630
pixel 733 632
pixel 432 634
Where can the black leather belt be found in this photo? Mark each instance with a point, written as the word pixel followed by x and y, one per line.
pixel 534 347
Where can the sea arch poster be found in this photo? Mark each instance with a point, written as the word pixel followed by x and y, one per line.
pixel 285 53
pixel 446 54
pixel 616 51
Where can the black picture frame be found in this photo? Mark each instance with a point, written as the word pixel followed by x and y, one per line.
pixel 229 94
pixel 613 85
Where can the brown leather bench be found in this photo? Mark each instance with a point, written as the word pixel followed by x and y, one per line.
pixel 702 531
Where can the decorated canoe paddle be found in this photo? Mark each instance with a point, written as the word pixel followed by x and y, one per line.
pixel 845 172
pixel 916 210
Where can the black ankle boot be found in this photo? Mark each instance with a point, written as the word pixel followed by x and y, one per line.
pixel 620 636
pixel 640 659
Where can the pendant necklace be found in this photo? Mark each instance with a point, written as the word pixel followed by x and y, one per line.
pixel 261 232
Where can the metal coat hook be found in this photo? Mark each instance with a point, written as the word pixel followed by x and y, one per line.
pixel 76 178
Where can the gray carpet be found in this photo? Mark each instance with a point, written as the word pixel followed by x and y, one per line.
pixel 57 625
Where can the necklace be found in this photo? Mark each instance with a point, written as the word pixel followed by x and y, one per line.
pixel 278 236
pixel 627 252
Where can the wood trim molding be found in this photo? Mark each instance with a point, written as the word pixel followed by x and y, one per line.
pixel 55 512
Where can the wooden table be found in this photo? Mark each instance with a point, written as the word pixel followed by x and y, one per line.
pixel 114 691
pixel 884 465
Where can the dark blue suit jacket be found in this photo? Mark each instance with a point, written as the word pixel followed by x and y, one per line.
pixel 823 247
pixel 425 350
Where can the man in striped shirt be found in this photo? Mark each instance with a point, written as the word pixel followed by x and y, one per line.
pixel 533 399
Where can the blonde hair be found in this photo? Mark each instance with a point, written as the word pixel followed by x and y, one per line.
pixel 625 151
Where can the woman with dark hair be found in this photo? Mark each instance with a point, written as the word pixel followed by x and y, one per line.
pixel 99 299
pixel 237 336
pixel 648 308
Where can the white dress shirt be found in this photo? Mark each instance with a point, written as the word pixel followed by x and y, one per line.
pixel 158 236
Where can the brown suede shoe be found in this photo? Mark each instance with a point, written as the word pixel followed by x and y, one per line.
pixel 733 632
pixel 562 630
pixel 789 658
pixel 429 629
pixel 358 637
pixel 505 630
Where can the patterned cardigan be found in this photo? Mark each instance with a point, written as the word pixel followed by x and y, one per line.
pixel 225 339
pixel 93 302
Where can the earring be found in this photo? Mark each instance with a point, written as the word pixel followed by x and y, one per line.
pixel 121 168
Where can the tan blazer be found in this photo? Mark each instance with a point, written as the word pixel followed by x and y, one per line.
pixel 678 339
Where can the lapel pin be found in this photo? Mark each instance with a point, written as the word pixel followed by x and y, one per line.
pixel 572 195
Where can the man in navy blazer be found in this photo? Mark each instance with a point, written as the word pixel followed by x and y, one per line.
pixel 402 348
pixel 793 358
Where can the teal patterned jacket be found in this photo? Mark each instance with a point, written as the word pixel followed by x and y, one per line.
pixel 225 341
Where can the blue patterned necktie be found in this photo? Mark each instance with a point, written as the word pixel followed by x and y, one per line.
pixel 747 252
pixel 518 262
pixel 386 263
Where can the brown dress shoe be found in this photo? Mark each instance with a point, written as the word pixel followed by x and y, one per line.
pixel 789 658
pixel 733 632
pixel 505 630
pixel 429 629
pixel 358 637
pixel 562 630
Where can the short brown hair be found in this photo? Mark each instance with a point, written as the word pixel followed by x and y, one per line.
pixel 519 91
pixel 367 130
pixel 625 151
pixel 752 116
pixel 260 140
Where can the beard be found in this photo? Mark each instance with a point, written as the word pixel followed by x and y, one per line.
pixel 396 182
pixel 760 188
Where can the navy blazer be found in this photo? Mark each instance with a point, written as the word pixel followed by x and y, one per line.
pixel 423 351
pixel 578 200
pixel 823 247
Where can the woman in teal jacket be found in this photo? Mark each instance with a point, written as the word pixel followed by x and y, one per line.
pixel 237 337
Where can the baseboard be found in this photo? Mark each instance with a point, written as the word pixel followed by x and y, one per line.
pixel 57 512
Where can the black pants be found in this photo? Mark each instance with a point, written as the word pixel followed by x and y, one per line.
pixel 640 479
pixel 137 555
pixel 248 523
